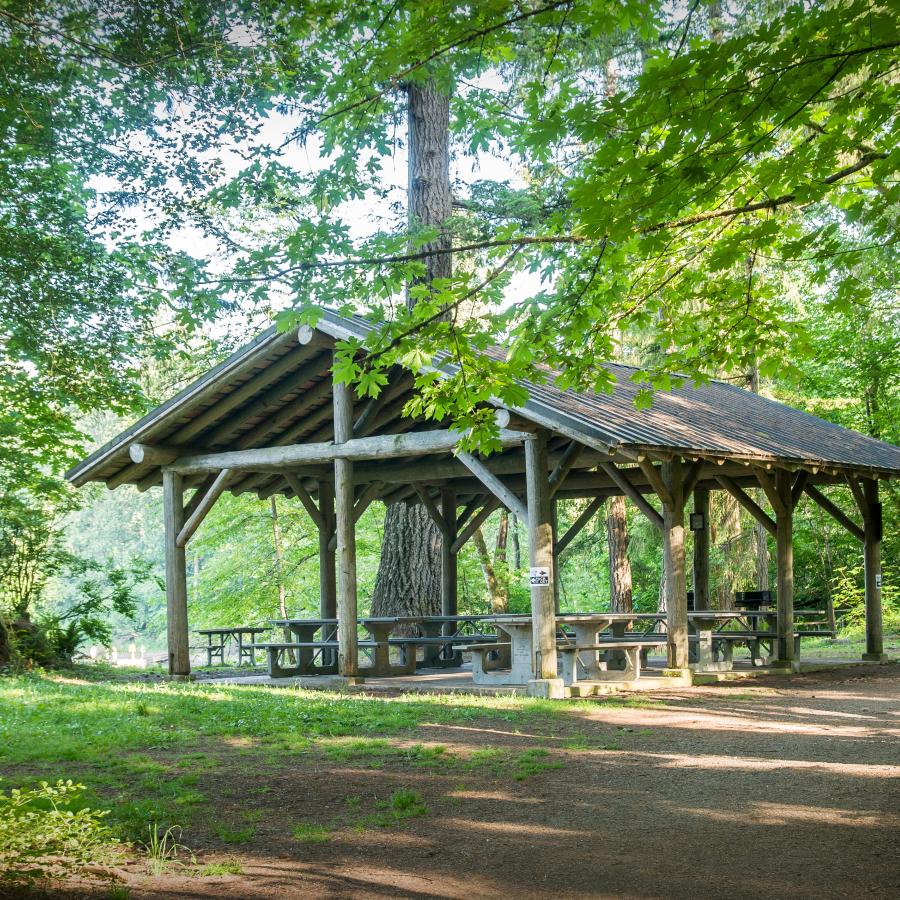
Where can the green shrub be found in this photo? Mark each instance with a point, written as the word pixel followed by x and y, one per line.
pixel 850 599
pixel 42 836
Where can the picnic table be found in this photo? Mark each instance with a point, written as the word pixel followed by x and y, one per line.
pixel 583 638
pixel 311 648
pixel 716 632
pixel 219 639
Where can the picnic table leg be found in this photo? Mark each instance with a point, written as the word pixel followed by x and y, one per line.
pixel 704 650
pixel 209 650
pixel 240 648
pixel 617 659
pixel 633 657
pixel 590 659
pixel 569 667
pixel 381 658
pixel 521 655
pixel 504 654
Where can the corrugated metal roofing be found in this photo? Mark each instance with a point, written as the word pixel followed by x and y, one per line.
pixel 717 419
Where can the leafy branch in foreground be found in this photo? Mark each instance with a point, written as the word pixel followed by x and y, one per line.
pixel 41 836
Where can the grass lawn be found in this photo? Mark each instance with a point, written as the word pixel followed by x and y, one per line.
pixel 161 753
pixel 254 789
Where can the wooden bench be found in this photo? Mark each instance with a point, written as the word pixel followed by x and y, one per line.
pixel 809 632
pixel 632 648
pixel 405 642
pixel 306 653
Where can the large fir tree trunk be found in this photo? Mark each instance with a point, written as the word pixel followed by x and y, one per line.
pixel 620 588
pixel 409 572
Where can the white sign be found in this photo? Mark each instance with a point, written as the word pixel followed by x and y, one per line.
pixel 538 576
pixel 878 580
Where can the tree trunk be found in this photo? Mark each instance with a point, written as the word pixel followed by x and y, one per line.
pixel 620 588
pixel 496 589
pixel 279 559
pixel 429 196
pixel 409 571
pixel 514 539
pixel 408 582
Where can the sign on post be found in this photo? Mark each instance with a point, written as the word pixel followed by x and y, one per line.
pixel 539 576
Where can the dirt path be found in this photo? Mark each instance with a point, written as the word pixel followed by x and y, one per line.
pixel 786 788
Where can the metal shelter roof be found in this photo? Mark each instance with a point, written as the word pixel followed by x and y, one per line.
pixel 276 391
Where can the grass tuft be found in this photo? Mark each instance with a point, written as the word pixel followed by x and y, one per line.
pixel 309 833
pixel 230 835
pixel 229 867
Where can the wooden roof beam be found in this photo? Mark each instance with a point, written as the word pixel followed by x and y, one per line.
pixel 380 447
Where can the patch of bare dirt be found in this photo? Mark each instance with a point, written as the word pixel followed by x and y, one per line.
pixel 780 788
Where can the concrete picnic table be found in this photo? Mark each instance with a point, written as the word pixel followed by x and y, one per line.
pixel 315 657
pixel 225 636
pixel 579 629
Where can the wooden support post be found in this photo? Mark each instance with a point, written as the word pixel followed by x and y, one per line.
pixel 872 560
pixel 176 577
pixel 327 559
pixel 540 550
pixel 674 563
pixel 701 550
pixel 448 557
pixel 348 653
pixel 784 556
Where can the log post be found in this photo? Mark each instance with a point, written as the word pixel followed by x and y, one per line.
pixel 784 550
pixel 701 549
pixel 327 562
pixel 448 557
pixel 176 577
pixel 542 575
pixel 348 653
pixel 872 563
pixel 674 564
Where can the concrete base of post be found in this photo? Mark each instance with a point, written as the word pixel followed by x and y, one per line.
pixel 875 657
pixel 547 688
pixel 685 675
pixel 339 681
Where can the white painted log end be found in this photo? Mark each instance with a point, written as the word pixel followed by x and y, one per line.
pixel 305 334
pixel 502 417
